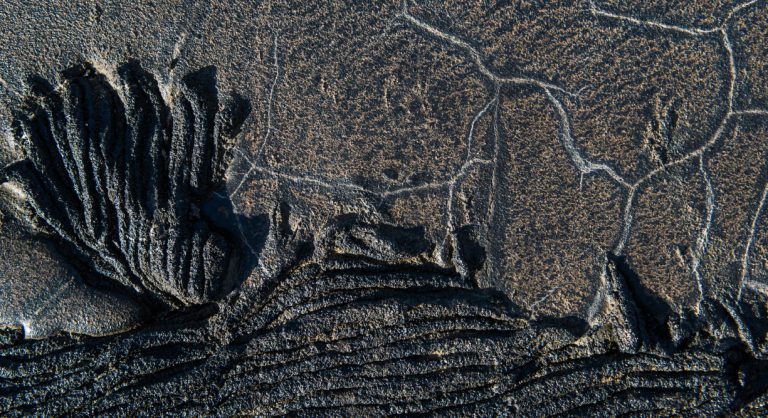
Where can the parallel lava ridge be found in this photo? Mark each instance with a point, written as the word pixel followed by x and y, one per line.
pixel 362 315
pixel 120 182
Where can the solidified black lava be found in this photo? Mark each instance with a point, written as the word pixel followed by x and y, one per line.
pixel 356 321
pixel 119 175
pixel 459 209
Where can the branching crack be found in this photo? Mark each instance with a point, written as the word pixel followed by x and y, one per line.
pixel 703 239
pixel 744 276
pixel 699 153
pixel 477 58
pixel 582 164
pixel 270 104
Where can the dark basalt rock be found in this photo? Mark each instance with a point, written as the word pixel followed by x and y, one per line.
pixel 119 176
pixel 343 333
pixel 434 208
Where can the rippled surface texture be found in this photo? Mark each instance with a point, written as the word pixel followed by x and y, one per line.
pixel 384 208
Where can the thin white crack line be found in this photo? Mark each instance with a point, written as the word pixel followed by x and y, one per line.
pixel 693 154
pixel 449 223
pixel 597 11
pixel 598 302
pixel 469 162
pixel 496 79
pixel 242 181
pixel 532 307
pixel 53 297
pixel 744 276
pixel 582 164
pixel 450 183
pixel 463 172
pixel 270 101
pixel 477 58
pixel 626 223
pixel 737 9
pixel 731 67
pixel 302 179
pixel 412 189
pixel 703 239
pixel 388 193
pixel 757 112
pixel 743 332
pixel 730 97
pixel 585 166
pixel 470 136
pixel 632 189
pixel 496 151
pixel 437 185
pixel 339 185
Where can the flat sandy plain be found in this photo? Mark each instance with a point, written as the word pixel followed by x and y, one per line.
pixel 384 208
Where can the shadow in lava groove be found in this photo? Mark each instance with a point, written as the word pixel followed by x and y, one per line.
pixel 123 176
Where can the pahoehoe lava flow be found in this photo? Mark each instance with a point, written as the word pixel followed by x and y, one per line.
pixel 465 209
pixel 122 178
pixel 355 321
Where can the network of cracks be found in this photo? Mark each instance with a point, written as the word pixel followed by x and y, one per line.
pixel 367 317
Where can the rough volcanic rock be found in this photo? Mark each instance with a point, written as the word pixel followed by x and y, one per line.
pixel 383 208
